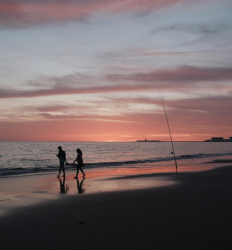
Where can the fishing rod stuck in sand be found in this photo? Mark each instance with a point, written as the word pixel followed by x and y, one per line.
pixel 173 152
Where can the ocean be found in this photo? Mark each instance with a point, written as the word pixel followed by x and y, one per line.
pixel 32 158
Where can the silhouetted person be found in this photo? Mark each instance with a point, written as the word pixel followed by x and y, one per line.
pixel 79 186
pixel 62 156
pixel 79 161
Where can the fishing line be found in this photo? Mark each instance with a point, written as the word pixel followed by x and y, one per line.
pixel 173 152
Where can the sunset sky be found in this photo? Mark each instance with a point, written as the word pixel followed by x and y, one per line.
pixel 91 70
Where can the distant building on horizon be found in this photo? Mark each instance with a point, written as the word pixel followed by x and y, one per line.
pixel 217 139
pixel 147 140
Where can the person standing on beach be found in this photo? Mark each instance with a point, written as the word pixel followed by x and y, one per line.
pixel 62 156
pixel 79 161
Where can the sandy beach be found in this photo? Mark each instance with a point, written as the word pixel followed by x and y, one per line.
pixel 188 211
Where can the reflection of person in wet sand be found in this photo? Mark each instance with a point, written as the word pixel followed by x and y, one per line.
pixel 79 161
pixel 63 190
pixel 62 156
pixel 79 186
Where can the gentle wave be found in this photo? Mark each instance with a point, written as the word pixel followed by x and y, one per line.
pixel 8 172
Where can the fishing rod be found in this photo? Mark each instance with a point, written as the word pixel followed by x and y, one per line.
pixel 173 152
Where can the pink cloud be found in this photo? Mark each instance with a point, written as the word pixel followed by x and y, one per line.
pixel 181 74
pixel 30 12
pixel 56 90
pixel 182 78
pixel 53 108
pixel 207 104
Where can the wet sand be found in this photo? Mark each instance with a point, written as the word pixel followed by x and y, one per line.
pixel 21 191
pixel 193 212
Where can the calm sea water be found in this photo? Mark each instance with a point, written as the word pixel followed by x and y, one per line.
pixel 20 158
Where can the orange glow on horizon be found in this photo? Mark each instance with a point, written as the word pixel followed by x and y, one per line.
pixel 102 131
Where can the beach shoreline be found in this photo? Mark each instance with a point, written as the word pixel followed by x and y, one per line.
pixel 26 190
pixel 194 212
